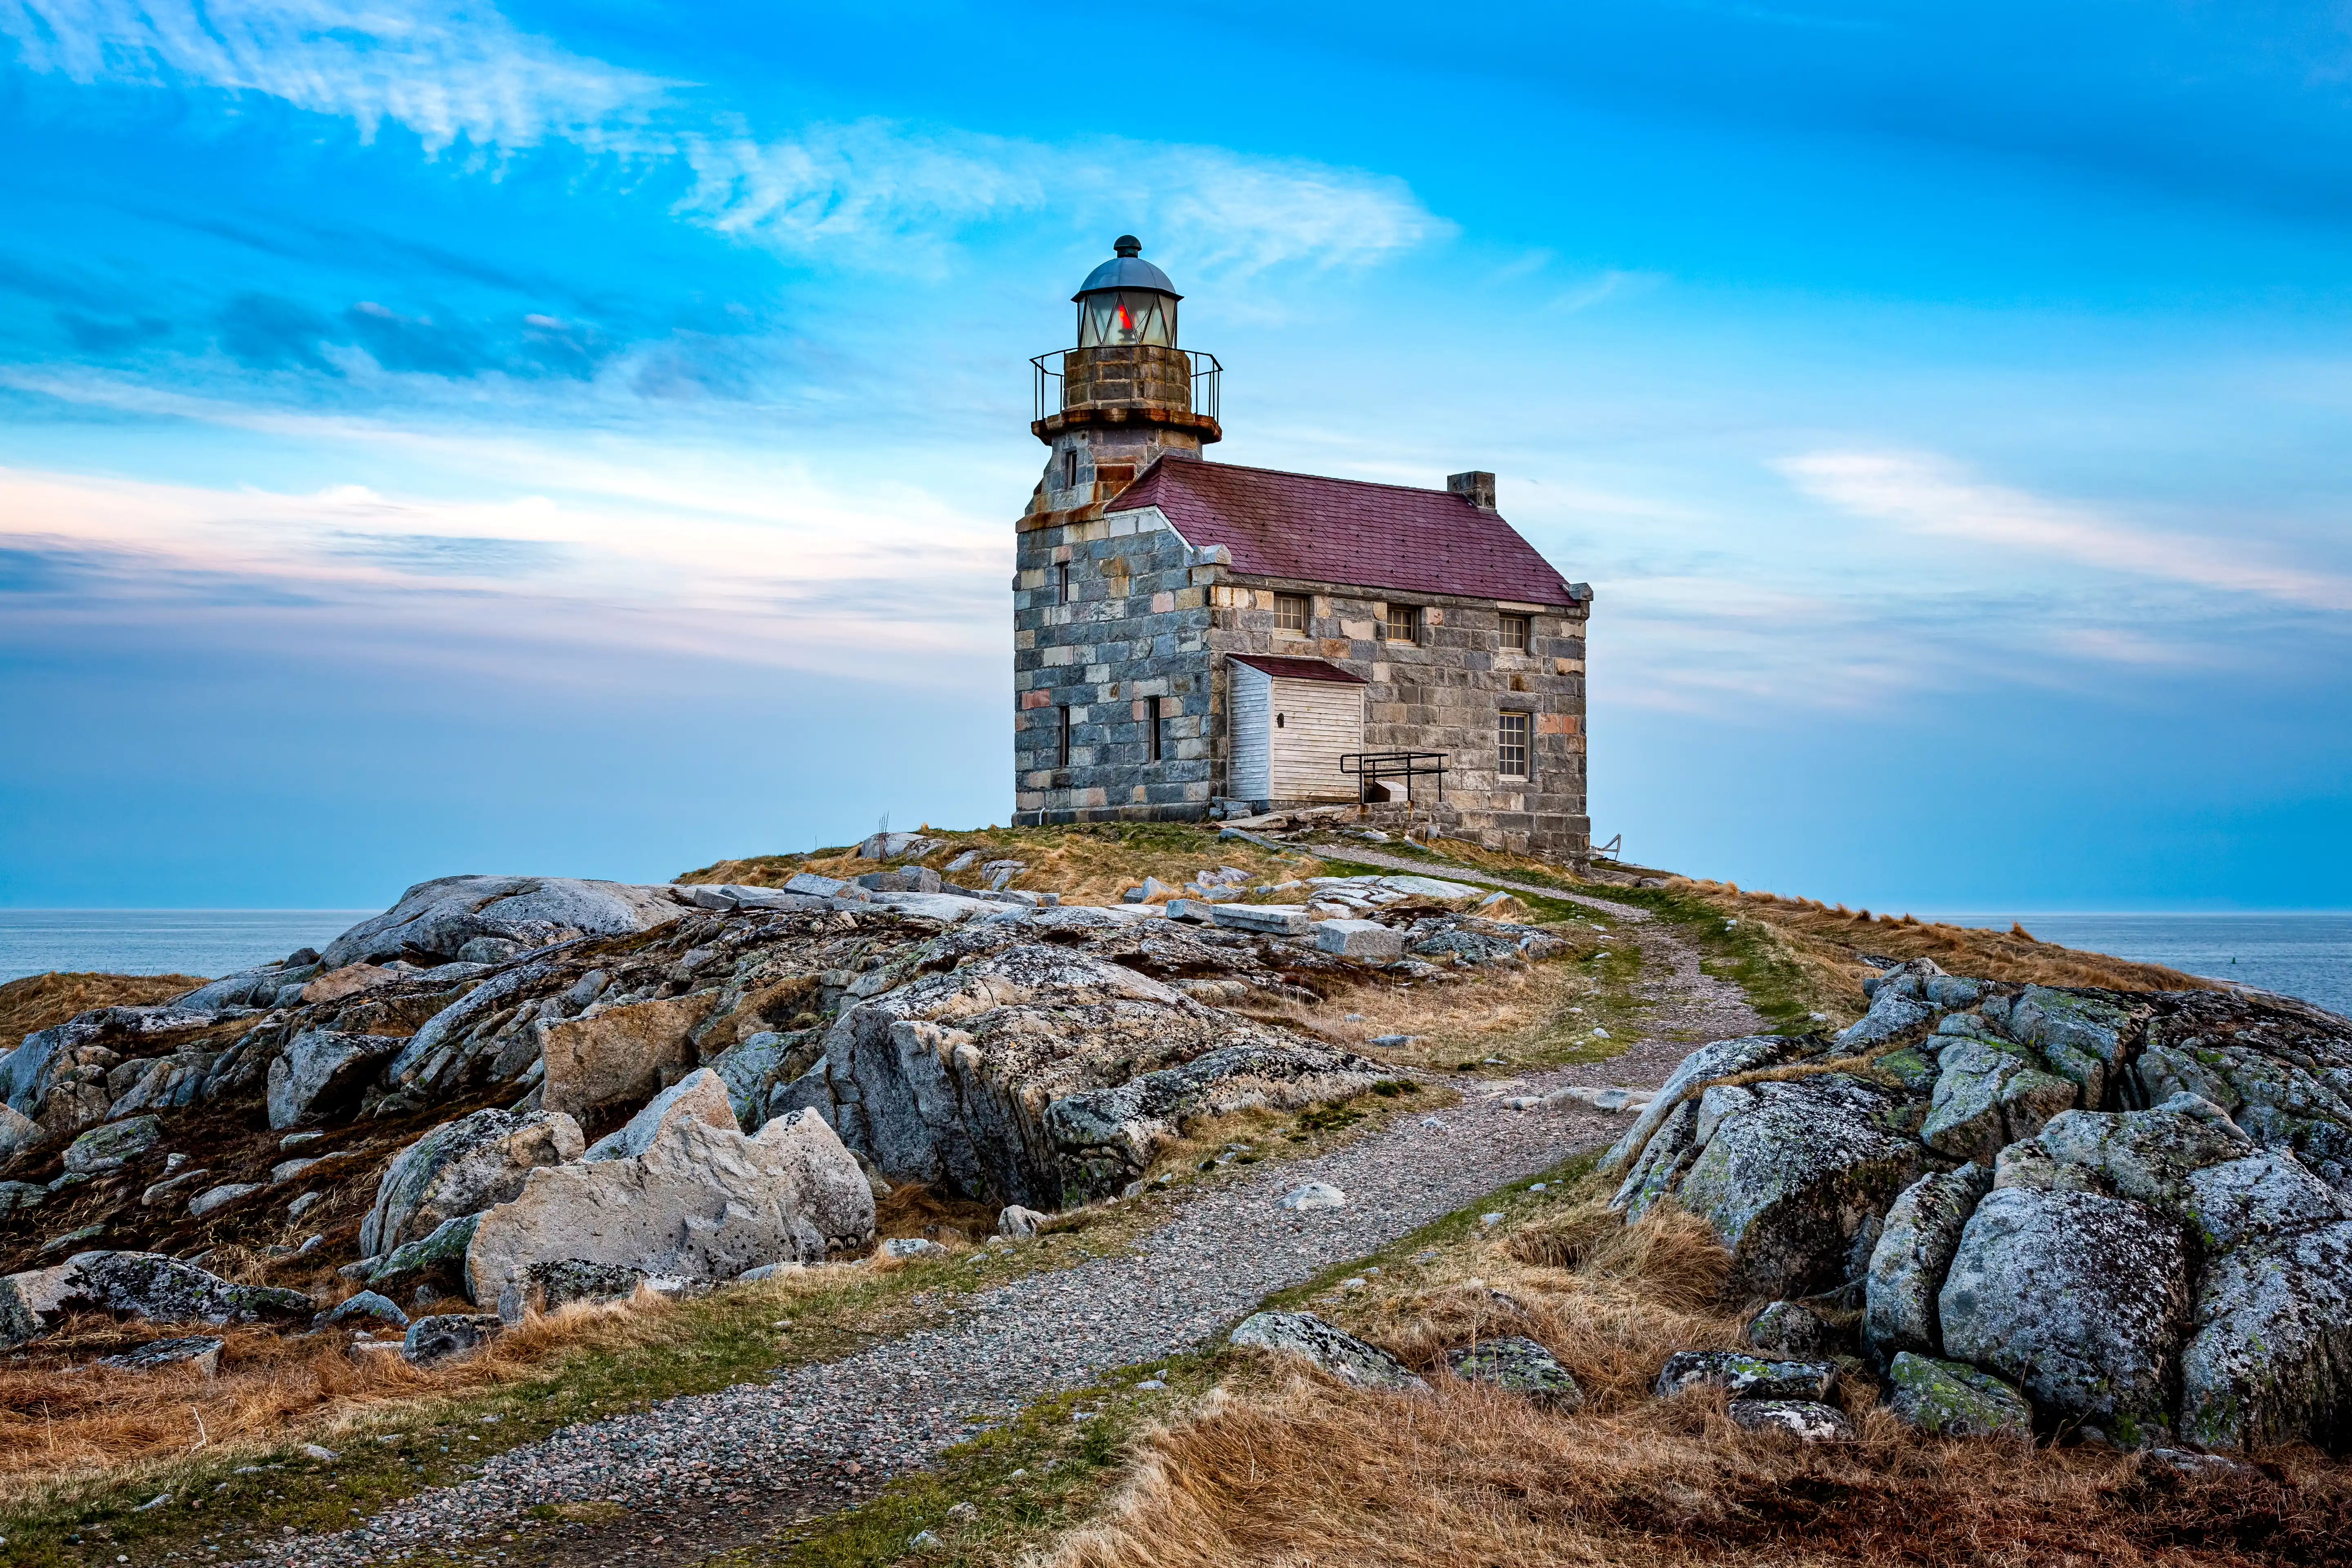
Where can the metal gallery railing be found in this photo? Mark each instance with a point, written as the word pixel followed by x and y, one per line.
pixel 1207 379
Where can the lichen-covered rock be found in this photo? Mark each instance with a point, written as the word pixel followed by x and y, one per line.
pixel 1893 1012
pixel 557 1283
pixel 159 1083
pixel 1803 1419
pixel 2082 1300
pixel 367 1304
pixel 1915 1244
pixel 447 1337
pixel 1746 1376
pixel 1341 1354
pixel 2271 1359
pixel 1522 1366
pixel 152 1285
pixel 1990 1093
pixel 199 1353
pixel 2083 1036
pixel 701 1202
pixel 1717 1059
pixel 112 1146
pixel 1792 1331
pixel 463 1167
pixel 321 1074
pixel 2262 1194
pixel 441 1249
pixel 433 921
pixel 617 1055
pixel 1789 1179
pixel 991 1078
pixel 1663 1159
pixel 2149 1155
pixel 1950 1399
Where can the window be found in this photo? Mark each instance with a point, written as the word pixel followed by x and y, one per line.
pixel 1291 613
pixel 1069 468
pixel 1511 746
pixel 1403 623
pixel 1062 739
pixel 1515 634
pixel 1062 583
pixel 1151 717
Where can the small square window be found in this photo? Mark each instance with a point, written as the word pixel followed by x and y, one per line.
pixel 1511 745
pixel 1516 629
pixel 1291 613
pixel 1403 623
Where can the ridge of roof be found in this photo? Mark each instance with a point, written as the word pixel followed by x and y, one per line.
pixel 1316 528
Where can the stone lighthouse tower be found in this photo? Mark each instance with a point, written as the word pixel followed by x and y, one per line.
pixel 1127 393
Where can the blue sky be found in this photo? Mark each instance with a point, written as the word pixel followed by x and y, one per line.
pixel 585 438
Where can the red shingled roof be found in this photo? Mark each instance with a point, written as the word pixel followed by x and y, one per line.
pixel 1317 530
pixel 1283 669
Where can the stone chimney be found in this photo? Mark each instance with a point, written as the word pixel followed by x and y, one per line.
pixel 1477 489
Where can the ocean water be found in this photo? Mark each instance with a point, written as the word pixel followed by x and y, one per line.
pixel 209 943
pixel 2304 956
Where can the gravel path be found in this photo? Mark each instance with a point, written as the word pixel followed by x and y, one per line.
pixel 702 1473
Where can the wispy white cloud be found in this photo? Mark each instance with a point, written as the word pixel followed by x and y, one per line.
pixel 445 72
pixel 786 573
pixel 451 73
pixel 1930 495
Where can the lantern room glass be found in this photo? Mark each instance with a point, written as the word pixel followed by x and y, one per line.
pixel 1120 316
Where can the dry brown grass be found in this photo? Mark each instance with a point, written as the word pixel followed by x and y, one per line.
pixel 1545 1010
pixel 1828 940
pixel 69 1417
pixel 1295 1471
pixel 43 1001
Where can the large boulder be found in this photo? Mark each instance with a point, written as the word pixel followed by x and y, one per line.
pixel 321 1074
pixel 618 1055
pixel 142 1285
pixel 110 1148
pixel 1915 1244
pixel 463 1167
pixel 701 1202
pixel 2080 1298
pixel 436 922
pixel 2271 1359
pixel 953 1078
pixel 2083 1036
pixel 1791 1173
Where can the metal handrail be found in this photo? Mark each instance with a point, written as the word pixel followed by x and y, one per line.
pixel 1369 766
pixel 1207 380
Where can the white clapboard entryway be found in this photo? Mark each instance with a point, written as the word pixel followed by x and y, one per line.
pixel 1293 720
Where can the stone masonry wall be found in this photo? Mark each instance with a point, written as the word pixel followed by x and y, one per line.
pixel 1136 627
pixel 1444 693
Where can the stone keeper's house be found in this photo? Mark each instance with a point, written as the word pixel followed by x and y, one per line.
pixel 1194 639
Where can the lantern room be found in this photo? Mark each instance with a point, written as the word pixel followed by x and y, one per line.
pixel 1126 300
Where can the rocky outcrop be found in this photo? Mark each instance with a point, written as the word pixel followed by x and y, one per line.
pixel 2131 1207
pixel 701 1202
pixel 490 919
pixel 703 1095
pixel 1040 1074
pixel 463 1167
